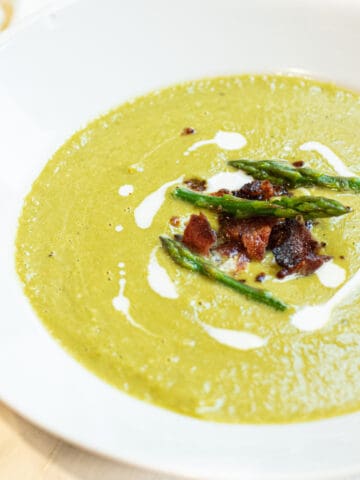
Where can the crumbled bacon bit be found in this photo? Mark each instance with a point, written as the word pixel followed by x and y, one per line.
pixel 234 249
pixel 298 164
pixel 188 131
pixel 221 193
pixel 196 184
pixel 305 267
pixel 260 190
pixel 295 249
pixel 252 233
pixel 255 238
pixel 260 277
pixel 230 249
pixel 175 221
pixel 198 234
pixel 280 190
pixel 242 262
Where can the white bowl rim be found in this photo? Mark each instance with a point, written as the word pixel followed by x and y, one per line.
pixel 132 456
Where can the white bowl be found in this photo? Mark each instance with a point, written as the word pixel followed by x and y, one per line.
pixel 59 71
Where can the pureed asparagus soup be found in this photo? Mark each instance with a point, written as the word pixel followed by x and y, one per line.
pixel 94 269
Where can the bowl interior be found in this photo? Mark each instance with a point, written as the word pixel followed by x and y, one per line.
pixel 61 70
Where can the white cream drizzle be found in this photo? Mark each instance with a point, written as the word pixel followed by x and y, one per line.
pixel 119 228
pixel 331 275
pixel 126 190
pixel 231 338
pixel 314 317
pixel 121 303
pixel 224 140
pixel 148 208
pixel 159 279
pixel 234 338
pixel 228 180
pixel 337 164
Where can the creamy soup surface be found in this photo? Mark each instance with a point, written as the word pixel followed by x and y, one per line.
pixel 89 255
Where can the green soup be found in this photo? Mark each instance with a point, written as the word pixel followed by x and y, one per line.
pixel 94 271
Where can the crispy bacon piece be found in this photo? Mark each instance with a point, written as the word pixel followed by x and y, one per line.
pixel 255 237
pixel 252 233
pixel 295 249
pixel 260 190
pixel 196 184
pixel 198 234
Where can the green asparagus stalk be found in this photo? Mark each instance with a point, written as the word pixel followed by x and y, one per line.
pixel 185 258
pixel 282 173
pixel 284 207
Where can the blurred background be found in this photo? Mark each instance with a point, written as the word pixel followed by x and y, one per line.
pixel 12 11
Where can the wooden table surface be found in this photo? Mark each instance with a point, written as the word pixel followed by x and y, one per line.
pixel 28 453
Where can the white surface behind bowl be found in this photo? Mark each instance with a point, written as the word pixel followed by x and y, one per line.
pixel 57 73
pixel 24 8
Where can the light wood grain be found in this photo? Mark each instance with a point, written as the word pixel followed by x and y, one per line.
pixel 6 13
pixel 28 453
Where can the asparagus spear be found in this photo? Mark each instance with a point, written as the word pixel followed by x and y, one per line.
pixel 185 258
pixel 282 173
pixel 285 207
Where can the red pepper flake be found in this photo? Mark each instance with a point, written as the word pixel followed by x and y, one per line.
pixel 188 131
pixel 298 164
pixel 260 277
